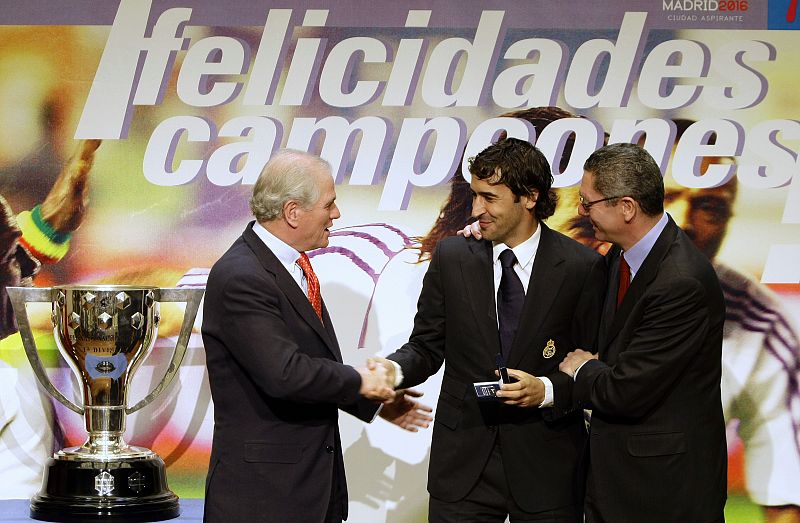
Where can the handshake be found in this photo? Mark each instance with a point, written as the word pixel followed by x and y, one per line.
pixel 399 407
pixel 377 380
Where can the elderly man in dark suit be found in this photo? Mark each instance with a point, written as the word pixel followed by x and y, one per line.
pixel 274 365
pixel 657 438
pixel 523 296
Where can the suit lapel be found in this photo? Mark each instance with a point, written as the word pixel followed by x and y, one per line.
pixel 610 302
pixel 546 279
pixel 333 343
pixel 477 274
pixel 292 291
pixel 644 276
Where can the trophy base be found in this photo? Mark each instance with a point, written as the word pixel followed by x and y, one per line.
pixel 115 491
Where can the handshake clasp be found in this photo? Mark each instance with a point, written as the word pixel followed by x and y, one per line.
pixel 378 379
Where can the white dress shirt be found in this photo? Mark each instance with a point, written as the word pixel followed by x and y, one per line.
pixel 285 253
pixel 525 253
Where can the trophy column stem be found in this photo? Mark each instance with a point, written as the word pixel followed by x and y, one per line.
pixel 106 418
pixel 106 425
pixel 105 443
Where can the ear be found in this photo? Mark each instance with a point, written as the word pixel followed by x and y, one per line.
pixel 291 213
pixel 629 208
pixel 531 199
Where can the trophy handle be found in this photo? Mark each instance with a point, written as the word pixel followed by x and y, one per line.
pixel 19 297
pixel 192 299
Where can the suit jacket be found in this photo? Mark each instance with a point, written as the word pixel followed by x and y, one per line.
pixel 657 438
pixel 277 381
pixel 456 323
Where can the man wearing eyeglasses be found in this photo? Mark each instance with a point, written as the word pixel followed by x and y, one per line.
pixel 657 437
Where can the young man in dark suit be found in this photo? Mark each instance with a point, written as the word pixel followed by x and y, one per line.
pixel 657 438
pixel 274 365
pixel 522 297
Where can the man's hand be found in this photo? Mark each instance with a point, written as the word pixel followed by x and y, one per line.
pixel 405 412
pixel 376 362
pixel 471 230
pixel 375 384
pixel 64 206
pixel 573 361
pixel 527 391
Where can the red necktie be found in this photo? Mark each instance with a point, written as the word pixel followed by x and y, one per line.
pixel 314 296
pixel 624 279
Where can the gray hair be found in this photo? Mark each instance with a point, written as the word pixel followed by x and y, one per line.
pixel 287 176
pixel 625 169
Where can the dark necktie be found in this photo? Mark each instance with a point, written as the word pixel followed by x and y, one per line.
pixel 314 296
pixel 510 298
pixel 624 279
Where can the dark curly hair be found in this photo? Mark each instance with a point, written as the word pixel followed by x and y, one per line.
pixel 522 168
pixel 457 210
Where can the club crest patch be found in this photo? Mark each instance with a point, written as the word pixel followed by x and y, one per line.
pixel 549 349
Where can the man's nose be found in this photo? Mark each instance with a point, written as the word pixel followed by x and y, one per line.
pixel 477 207
pixel 335 214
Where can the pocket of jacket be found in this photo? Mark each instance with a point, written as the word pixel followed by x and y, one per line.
pixel 269 453
pixel 657 444
pixel 447 414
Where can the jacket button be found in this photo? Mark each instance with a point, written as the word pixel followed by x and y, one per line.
pixel 329 449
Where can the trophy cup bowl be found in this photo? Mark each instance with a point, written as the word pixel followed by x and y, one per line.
pixel 104 333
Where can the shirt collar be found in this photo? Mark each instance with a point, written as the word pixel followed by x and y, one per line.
pixel 525 251
pixel 285 253
pixel 635 255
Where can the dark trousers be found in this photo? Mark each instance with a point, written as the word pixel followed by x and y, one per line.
pixel 490 501
pixel 593 514
pixel 590 508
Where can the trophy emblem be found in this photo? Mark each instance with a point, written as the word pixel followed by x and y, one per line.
pixel 104 333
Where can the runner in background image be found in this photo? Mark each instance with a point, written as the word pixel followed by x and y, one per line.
pixel 27 427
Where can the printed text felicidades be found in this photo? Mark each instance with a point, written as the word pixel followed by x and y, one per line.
pixel 217 70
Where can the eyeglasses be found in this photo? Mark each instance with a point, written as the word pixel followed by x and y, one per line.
pixel 588 205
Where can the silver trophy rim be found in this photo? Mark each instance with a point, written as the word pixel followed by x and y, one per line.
pixel 105 287
pixel 20 296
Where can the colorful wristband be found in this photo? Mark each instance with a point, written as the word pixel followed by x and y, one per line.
pixel 40 238
pixel 46 228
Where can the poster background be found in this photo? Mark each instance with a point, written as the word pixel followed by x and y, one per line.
pixel 138 231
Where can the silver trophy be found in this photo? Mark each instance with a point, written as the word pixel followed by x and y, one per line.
pixel 104 332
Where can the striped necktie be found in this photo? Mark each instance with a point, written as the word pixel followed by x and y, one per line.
pixel 314 296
